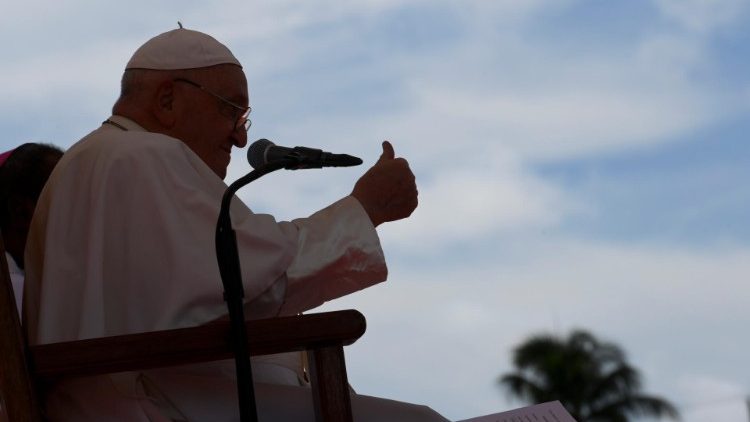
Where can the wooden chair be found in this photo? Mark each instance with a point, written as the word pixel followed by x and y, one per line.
pixel 24 369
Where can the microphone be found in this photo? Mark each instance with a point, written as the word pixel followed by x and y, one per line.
pixel 263 151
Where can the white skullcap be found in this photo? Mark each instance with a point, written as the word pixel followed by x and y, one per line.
pixel 181 49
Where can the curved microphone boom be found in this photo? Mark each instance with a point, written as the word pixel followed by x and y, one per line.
pixel 263 151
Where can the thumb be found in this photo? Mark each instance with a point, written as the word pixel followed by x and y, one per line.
pixel 388 153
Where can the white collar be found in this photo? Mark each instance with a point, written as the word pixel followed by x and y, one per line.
pixel 123 123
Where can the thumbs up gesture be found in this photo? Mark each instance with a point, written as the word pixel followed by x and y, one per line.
pixel 388 190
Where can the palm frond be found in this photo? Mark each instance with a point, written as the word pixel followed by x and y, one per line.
pixel 640 405
pixel 522 388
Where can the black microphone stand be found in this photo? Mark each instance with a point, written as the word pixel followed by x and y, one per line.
pixel 231 278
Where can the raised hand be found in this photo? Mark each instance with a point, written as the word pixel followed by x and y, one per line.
pixel 388 190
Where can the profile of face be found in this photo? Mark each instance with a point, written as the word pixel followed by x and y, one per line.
pixel 209 120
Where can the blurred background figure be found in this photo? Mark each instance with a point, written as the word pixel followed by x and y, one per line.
pixel 23 173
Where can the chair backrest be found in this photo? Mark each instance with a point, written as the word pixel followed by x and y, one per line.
pixel 17 393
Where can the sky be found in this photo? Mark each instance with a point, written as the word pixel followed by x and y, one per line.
pixel 580 163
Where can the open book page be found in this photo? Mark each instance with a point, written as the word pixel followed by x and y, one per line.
pixel 545 412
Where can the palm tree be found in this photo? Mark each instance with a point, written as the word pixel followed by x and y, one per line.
pixel 590 378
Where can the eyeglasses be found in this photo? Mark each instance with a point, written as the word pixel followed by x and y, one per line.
pixel 239 114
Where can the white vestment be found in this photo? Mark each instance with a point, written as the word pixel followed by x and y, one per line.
pixel 122 241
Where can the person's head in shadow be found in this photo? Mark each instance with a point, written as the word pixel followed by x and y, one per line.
pixel 22 177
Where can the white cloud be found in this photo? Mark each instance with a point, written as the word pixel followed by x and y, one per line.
pixel 707 398
pixel 703 15
pixel 85 74
pixel 546 104
pixel 574 120
pixel 462 204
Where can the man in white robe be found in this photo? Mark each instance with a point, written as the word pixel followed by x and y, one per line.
pixel 123 242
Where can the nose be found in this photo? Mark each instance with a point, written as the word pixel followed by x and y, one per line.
pixel 239 137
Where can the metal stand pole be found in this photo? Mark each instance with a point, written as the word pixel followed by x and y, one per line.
pixel 231 278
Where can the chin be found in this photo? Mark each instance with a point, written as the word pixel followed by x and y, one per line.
pixel 220 171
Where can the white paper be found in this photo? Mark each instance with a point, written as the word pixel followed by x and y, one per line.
pixel 545 412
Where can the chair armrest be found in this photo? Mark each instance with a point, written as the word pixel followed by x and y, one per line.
pixel 204 343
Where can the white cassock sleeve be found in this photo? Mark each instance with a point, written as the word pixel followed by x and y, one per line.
pixel 338 253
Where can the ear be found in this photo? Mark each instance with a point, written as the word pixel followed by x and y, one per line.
pixel 164 104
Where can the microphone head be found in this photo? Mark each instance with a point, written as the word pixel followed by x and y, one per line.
pixel 256 153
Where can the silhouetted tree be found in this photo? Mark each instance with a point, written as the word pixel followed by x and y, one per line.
pixel 590 378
